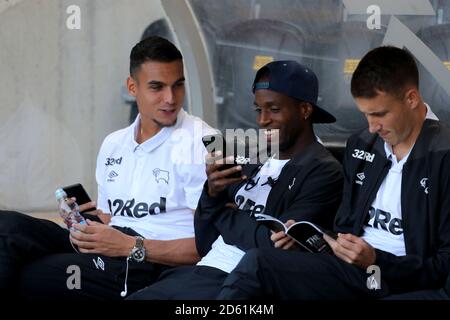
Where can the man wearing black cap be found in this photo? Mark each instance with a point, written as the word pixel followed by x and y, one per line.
pixel 303 182
pixel 394 222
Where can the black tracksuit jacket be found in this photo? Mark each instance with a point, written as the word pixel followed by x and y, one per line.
pixel 309 188
pixel 425 205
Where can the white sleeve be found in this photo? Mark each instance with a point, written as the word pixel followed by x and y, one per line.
pixel 189 154
pixel 195 178
pixel 102 200
pixel 194 174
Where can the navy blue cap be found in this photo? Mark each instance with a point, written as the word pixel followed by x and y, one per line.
pixel 296 81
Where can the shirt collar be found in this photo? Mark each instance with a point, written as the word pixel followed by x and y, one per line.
pixel 430 113
pixel 388 148
pixel 391 156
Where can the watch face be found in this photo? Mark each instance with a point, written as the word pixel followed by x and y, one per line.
pixel 138 254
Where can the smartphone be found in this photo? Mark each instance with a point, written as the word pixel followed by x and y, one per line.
pixel 217 142
pixel 78 191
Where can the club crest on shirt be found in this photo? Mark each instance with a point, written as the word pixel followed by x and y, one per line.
pixel 161 175
pixel 424 185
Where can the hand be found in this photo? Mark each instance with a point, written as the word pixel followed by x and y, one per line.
pixel 231 205
pixel 87 206
pixel 106 218
pixel 352 249
pixel 281 240
pixel 102 239
pixel 217 180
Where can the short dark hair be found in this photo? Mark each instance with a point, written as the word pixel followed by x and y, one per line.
pixel 153 48
pixel 387 69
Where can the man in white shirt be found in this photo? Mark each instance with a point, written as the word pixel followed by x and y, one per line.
pixel 394 221
pixel 150 177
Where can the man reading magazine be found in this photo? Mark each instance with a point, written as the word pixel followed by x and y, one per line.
pixel 307 234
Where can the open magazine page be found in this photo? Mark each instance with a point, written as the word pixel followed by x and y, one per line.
pixel 307 234
pixel 270 222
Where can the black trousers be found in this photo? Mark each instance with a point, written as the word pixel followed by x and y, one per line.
pixel 440 294
pixel 184 283
pixel 282 274
pixel 37 261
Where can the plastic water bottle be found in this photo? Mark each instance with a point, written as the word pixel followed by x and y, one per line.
pixel 68 210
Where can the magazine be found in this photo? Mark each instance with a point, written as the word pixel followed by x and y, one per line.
pixel 305 233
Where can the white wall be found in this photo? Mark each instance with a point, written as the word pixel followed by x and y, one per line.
pixel 60 92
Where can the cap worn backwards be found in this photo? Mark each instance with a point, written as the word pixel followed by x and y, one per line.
pixel 296 81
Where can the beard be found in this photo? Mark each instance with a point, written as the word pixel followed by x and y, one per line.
pixel 287 142
pixel 163 125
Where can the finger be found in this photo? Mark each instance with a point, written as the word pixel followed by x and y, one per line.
pixel 350 237
pixel 83 244
pixel 81 236
pixel 225 173
pixel 222 183
pixel 97 212
pixel 213 156
pixel 80 227
pixel 88 205
pixel 86 228
pixel 75 235
pixel 227 160
pixel 69 201
pixel 347 244
pixel 338 250
pixel 289 245
pixel 83 250
pixel 277 236
pixel 289 223
pixel 219 184
pixel 329 240
pixel 332 243
pixel 355 243
pixel 280 243
pixel 92 223
pixel 219 161
pixel 348 255
pixel 213 167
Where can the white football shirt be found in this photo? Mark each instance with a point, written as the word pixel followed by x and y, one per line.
pixel 252 197
pixel 153 187
pixel 383 226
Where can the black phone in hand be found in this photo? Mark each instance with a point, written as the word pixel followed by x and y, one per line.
pixel 78 191
pixel 217 142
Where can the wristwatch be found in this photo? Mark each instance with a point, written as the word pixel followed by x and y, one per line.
pixel 138 252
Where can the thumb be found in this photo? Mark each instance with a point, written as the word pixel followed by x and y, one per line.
pixel 92 223
pixel 289 223
pixel 329 240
